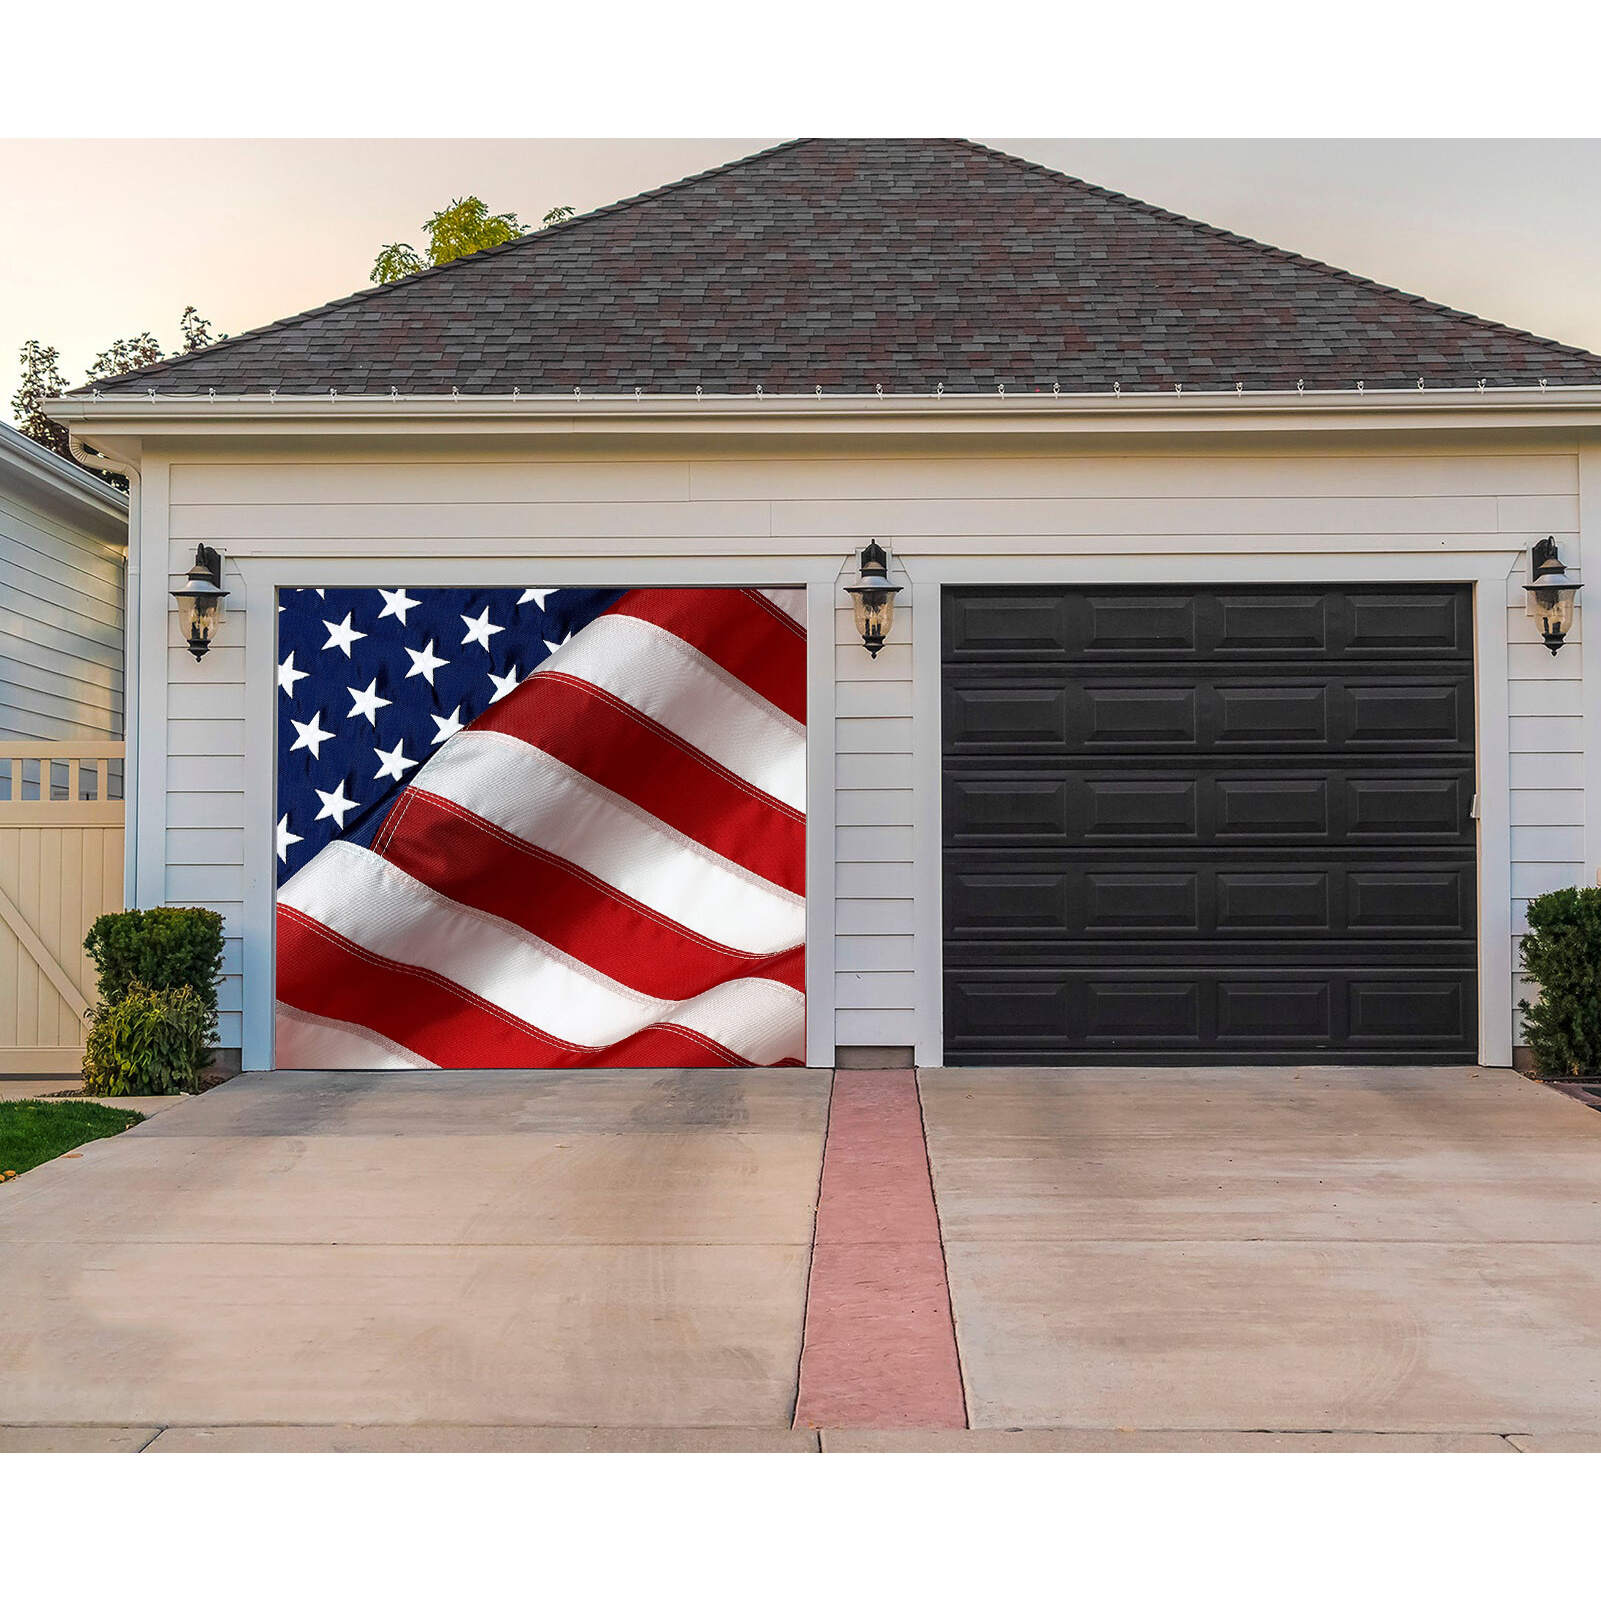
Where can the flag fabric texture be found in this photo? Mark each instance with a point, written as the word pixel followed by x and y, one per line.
pixel 549 828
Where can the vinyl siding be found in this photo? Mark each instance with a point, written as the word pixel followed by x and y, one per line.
pixel 875 906
pixel 1275 505
pixel 61 599
pixel 1546 737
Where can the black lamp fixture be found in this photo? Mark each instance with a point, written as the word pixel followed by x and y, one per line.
pixel 200 599
pixel 873 598
pixel 1551 594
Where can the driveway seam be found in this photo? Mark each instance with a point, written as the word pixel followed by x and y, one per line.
pixel 811 1258
pixel 1234 1239
pixel 945 1263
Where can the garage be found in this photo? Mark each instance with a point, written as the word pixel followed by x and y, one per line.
pixel 1213 723
pixel 1209 824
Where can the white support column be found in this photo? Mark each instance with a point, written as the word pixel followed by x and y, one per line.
pixel 259 603
pixel 928 950
pixel 820 741
pixel 1589 643
pixel 1495 817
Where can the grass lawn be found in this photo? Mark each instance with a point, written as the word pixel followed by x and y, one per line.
pixel 32 1132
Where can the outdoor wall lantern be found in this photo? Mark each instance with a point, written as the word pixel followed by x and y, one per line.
pixel 873 598
pixel 200 601
pixel 1551 594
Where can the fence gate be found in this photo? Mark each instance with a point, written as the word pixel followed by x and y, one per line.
pixel 60 868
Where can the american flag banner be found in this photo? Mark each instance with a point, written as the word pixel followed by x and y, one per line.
pixel 541 828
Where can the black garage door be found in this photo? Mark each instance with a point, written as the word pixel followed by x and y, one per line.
pixel 1209 825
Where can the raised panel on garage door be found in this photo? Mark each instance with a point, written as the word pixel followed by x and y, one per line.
pixel 1209 824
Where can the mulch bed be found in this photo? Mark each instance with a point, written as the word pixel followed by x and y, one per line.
pixel 209 1081
pixel 1587 1090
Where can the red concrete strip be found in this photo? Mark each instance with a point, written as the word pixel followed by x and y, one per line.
pixel 879 1347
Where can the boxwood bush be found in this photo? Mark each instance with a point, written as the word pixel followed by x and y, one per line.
pixel 1562 954
pixel 162 948
pixel 147 1042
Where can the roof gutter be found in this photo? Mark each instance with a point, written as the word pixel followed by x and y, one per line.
pixel 333 412
pixel 45 467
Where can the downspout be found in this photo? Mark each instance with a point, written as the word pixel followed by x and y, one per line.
pixel 97 462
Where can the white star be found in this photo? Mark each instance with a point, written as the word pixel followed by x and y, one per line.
pixel 447 726
pixel 312 737
pixel 320 596
pixel 503 686
pixel 479 628
pixel 425 662
pixel 342 635
pixel 285 838
pixel 289 675
pixel 537 596
pixel 392 763
pixel 367 701
pixel 334 804
pixel 396 604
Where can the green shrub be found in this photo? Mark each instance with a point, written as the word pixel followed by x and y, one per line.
pixel 162 948
pixel 1562 954
pixel 147 1042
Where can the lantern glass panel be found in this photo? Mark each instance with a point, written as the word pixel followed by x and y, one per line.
pixel 874 611
pixel 1556 614
pixel 199 618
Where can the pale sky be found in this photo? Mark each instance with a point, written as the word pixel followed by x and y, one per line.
pixel 104 238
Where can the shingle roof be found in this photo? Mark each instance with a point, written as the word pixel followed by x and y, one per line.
pixel 851 263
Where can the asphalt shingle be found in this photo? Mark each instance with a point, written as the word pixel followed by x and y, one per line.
pixel 858 262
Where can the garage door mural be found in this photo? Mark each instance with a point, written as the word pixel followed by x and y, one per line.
pixel 540 828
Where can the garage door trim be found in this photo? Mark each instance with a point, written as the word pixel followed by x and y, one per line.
pixel 1152 560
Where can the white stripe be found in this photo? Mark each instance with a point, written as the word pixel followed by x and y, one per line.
pixel 375 905
pixel 305 1042
pixel 790 601
pixel 530 793
pixel 704 704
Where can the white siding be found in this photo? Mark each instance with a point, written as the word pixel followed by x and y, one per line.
pixel 384 520
pixel 60 626
pixel 1546 703
pixel 875 906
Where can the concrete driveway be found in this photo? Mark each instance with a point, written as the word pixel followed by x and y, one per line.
pixel 1382 1251
pixel 588 1249
pixel 1328 1259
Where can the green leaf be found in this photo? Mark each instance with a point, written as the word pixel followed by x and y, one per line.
pixel 1561 953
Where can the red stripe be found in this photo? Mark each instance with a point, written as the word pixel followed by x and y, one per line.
pixel 624 751
pixel 667 1046
pixel 764 599
pixel 737 630
pixel 477 864
pixel 327 976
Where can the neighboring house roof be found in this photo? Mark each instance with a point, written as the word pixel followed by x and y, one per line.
pixel 850 263
pixel 37 473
